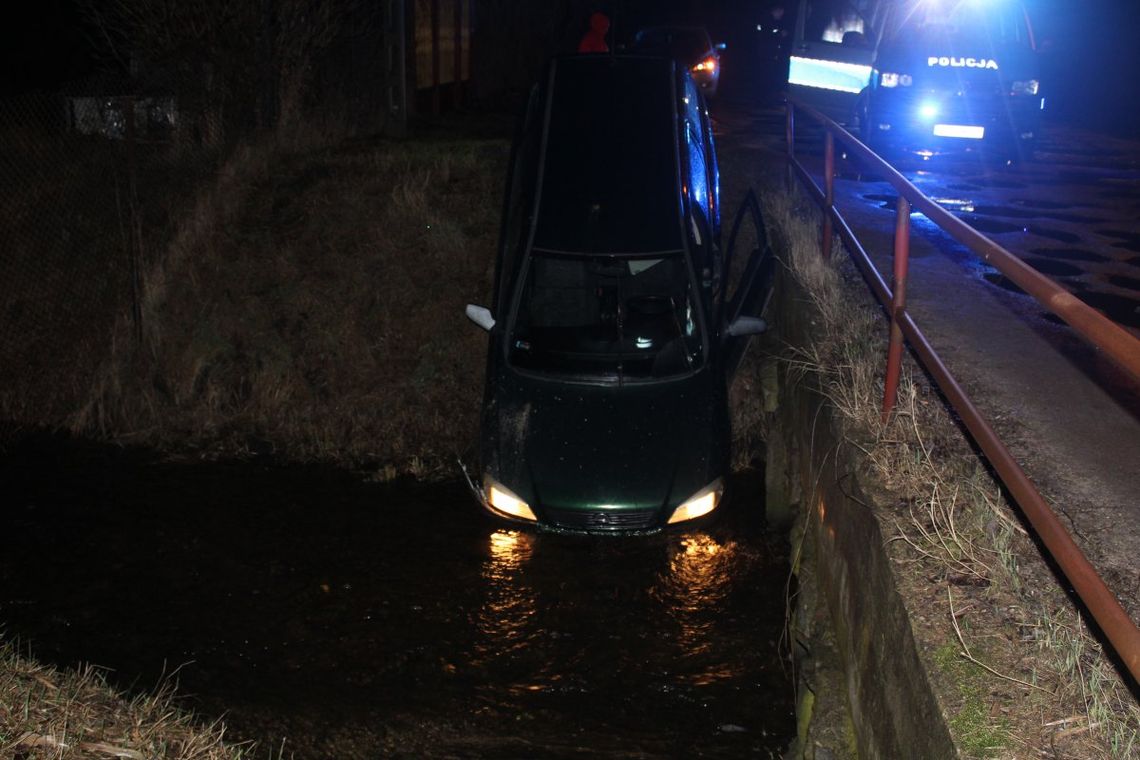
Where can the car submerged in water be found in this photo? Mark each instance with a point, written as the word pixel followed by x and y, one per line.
pixel 605 406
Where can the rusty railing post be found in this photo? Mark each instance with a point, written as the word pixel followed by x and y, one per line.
pixel 898 306
pixel 828 192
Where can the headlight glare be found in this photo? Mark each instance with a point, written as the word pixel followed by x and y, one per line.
pixel 500 499
pixel 700 504
pixel 708 64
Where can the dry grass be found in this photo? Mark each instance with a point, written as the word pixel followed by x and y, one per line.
pixel 311 305
pixel 45 713
pixel 1016 668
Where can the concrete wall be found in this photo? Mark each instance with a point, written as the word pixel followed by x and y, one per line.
pixel 892 709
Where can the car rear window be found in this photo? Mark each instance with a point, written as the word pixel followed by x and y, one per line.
pixel 610 179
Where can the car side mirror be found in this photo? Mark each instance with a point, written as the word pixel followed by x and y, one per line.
pixel 481 316
pixel 742 326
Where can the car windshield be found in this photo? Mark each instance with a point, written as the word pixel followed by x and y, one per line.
pixel 606 317
pixel 685 45
pixel 982 23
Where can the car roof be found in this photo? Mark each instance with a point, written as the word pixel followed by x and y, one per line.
pixel 609 172
pixel 674 28
pixel 674 33
pixel 684 42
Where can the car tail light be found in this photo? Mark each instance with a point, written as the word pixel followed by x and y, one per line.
pixel 708 64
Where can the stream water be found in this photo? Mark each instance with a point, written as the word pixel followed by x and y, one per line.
pixel 340 618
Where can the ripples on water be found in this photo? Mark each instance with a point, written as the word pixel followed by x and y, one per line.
pixel 357 620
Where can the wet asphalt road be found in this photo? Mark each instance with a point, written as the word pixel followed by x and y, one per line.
pixel 355 620
pixel 1072 212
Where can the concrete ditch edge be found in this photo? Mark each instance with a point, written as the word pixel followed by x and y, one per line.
pixel 848 601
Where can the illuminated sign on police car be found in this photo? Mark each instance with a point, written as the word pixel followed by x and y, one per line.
pixel 962 63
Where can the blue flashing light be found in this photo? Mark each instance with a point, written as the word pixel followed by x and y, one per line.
pixel 928 110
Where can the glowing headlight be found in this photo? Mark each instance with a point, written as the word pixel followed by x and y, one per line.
pixel 500 499
pixel 700 504
pixel 1025 87
pixel 708 64
pixel 928 110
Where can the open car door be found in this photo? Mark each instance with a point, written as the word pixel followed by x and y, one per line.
pixel 744 314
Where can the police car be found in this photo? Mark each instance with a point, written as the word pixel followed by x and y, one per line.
pixel 922 75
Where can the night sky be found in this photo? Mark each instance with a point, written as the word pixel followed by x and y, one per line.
pixel 1091 70
pixel 43 47
pixel 1090 64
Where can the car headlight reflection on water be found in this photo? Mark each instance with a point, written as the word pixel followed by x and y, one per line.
pixel 502 500
pixel 700 504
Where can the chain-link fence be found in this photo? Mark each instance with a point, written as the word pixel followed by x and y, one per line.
pixel 70 247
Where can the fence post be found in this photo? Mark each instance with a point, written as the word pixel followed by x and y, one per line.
pixel 790 138
pixel 396 67
pixel 457 93
pixel 898 306
pixel 134 222
pixel 435 61
pixel 829 191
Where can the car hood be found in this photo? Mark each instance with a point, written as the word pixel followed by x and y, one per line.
pixel 571 447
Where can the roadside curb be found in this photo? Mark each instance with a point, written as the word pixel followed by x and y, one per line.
pixel 845 575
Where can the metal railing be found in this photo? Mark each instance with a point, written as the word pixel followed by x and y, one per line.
pixel 1113 340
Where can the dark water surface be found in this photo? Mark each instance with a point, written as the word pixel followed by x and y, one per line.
pixel 350 619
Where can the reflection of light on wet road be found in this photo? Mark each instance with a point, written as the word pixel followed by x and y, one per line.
pixel 509 602
pixel 955 204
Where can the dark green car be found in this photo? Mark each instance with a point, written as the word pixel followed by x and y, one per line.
pixel 606 398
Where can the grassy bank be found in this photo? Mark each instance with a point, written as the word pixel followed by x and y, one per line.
pixel 305 304
pixel 1017 673
pixel 310 306
pixel 46 713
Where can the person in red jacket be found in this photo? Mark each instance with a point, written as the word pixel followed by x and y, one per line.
pixel 594 40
